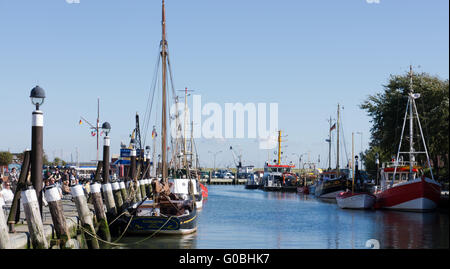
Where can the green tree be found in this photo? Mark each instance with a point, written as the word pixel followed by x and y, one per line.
pixel 56 161
pixel 5 157
pixel 387 110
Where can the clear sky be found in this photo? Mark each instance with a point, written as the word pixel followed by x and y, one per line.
pixel 307 56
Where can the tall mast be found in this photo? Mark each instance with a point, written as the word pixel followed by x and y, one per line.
pixel 163 122
pixel 184 135
pixel 279 147
pixel 98 122
pixel 353 162
pixel 329 147
pixel 337 142
pixel 411 122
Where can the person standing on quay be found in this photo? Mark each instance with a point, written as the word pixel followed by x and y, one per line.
pixel 13 179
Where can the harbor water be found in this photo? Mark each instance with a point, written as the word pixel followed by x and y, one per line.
pixel 236 218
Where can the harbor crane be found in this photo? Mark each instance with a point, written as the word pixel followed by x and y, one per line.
pixel 238 163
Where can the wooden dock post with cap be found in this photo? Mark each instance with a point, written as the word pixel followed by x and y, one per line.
pixel 53 198
pixel 85 216
pixel 5 242
pixel 102 222
pixel 34 220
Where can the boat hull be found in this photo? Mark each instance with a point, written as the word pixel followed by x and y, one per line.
pixel 251 186
pixel 199 201
pixel 331 188
pixel 420 194
pixel 176 225
pixel 355 200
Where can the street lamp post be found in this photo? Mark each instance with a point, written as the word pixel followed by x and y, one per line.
pixel 361 149
pixel 107 128
pixel 37 96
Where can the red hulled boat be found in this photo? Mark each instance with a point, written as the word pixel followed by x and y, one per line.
pixel 403 184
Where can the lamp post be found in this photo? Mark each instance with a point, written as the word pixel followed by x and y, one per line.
pixel 37 96
pixel 361 150
pixel 133 159
pixel 106 128
pixel 148 155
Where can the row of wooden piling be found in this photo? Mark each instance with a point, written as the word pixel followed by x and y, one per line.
pixel 115 197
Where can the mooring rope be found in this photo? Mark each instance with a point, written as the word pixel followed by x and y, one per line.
pixel 122 244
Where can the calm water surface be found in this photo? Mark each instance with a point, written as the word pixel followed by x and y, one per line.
pixel 236 218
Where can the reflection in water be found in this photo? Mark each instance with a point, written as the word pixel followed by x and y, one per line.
pixel 162 242
pixel 236 218
pixel 406 230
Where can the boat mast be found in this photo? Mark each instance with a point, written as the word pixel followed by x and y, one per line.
pixel 329 147
pixel 353 162
pixel 279 147
pixel 337 142
pixel 184 129
pixel 411 122
pixel 163 122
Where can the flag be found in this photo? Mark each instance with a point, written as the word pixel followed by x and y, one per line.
pixel 80 122
pixel 154 134
pixel 333 127
pixel 93 133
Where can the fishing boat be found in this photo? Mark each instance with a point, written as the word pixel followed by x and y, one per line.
pixel 404 185
pixel 278 177
pixel 252 183
pixel 358 197
pixel 167 212
pixel 180 187
pixel 332 182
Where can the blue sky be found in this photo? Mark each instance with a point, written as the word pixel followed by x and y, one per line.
pixel 305 55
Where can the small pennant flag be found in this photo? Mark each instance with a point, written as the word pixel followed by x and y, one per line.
pixel 80 122
pixel 333 127
pixel 93 133
pixel 154 134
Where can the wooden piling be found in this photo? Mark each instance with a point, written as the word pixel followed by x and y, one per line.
pixel 123 191
pixel 85 216
pixel 34 220
pixel 109 199
pixel 14 213
pixel 149 188
pixel 118 199
pixel 137 188
pixel 53 198
pixel 102 222
pixel 5 243
pixel 142 185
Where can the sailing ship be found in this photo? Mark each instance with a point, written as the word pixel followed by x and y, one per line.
pixel 278 177
pixel 359 197
pixel 167 212
pixel 333 182
pixel 403 184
